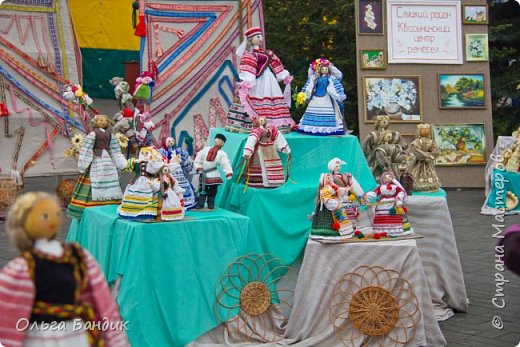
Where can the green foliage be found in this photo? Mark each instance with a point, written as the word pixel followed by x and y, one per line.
pixel 504 44
pixel 299 31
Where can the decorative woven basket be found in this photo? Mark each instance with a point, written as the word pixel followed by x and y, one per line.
pixel 8 192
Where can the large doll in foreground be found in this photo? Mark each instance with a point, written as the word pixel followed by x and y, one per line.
pixel 52 284
pixel 265 169
pixel 99 159
pixel 324 114
pixel 260 72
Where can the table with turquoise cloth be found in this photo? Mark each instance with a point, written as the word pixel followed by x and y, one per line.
pixel 280 215
pixel 169 270
pixel 502 182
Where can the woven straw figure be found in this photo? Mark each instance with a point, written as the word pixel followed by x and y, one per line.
pixel 388 155
pixel 390 212
pixel 260 72
pixel 99 160
pixel 52 283
pixel 337 205
pixel 373 306
pixel 422 168
pixel 512 154
pixel 324 113
pixel 265 168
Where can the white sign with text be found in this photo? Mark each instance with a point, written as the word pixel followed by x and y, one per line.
pixel 424 32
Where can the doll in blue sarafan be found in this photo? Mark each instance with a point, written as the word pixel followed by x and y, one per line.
pixel 325 93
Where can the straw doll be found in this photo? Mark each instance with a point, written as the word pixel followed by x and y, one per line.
pixel 265 168
pixel 390 212
pixel 52 284
pixel 324 113
pixel 99 159
pixel 140 199
pixel 422 168
pixel 260 72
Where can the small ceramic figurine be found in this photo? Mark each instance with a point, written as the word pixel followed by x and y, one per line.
pixel 260 72
pixel 390 211
pixel 265 168
pixel 180 167
pixel 337 204
pixel 140 200
pixel 172 202
pixel 52 284
pixel 99 159
pixel 324 113
pixel 206 163
pixel 422 168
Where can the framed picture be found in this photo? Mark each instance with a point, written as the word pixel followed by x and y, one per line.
pixel 461 91
pixel 373 59
pixel 475 14
pixel 398 97
pixel 477 47
pixel 460 144
pixel 370 17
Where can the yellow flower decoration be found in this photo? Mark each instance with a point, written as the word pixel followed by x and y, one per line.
pixel 301 99
pixel 69 152
pixel 77 140
pixel 123 140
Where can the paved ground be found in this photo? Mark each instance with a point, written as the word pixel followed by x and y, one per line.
pixel 476 247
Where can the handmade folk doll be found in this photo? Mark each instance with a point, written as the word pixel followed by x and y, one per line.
pixel 140 200
pixel 324 113
pixel 206 163
pixel 337 204
pixel 143 126
pixel 181 166
pixel 390 211
pixel 265 168
pixel 99 159
pixel 375 138
pixel 260 72
pixel 52 284
pixel 172 202
pixel 422 168
pixel 121 91
pixel 388 156
pixel 512 154
pixel 143 87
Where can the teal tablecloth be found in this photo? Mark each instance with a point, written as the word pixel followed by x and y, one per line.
pixel 502 182
pixel 169 270
pixel 441 192
pixel 280 215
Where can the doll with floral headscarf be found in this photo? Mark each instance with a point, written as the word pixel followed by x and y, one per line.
pixel 260 72
pixel 323 89
pixel 143 87
pixel 53 284
pixel 140 200
pixel 99 160
pixel 390 212
pixel 337 204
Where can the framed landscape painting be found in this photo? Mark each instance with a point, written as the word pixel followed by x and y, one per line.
pixel 370 17
pixel 461 91
pixel 460 144
pixel 475 14
pixel 477 48
pixel 398 97
pixel 373 59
